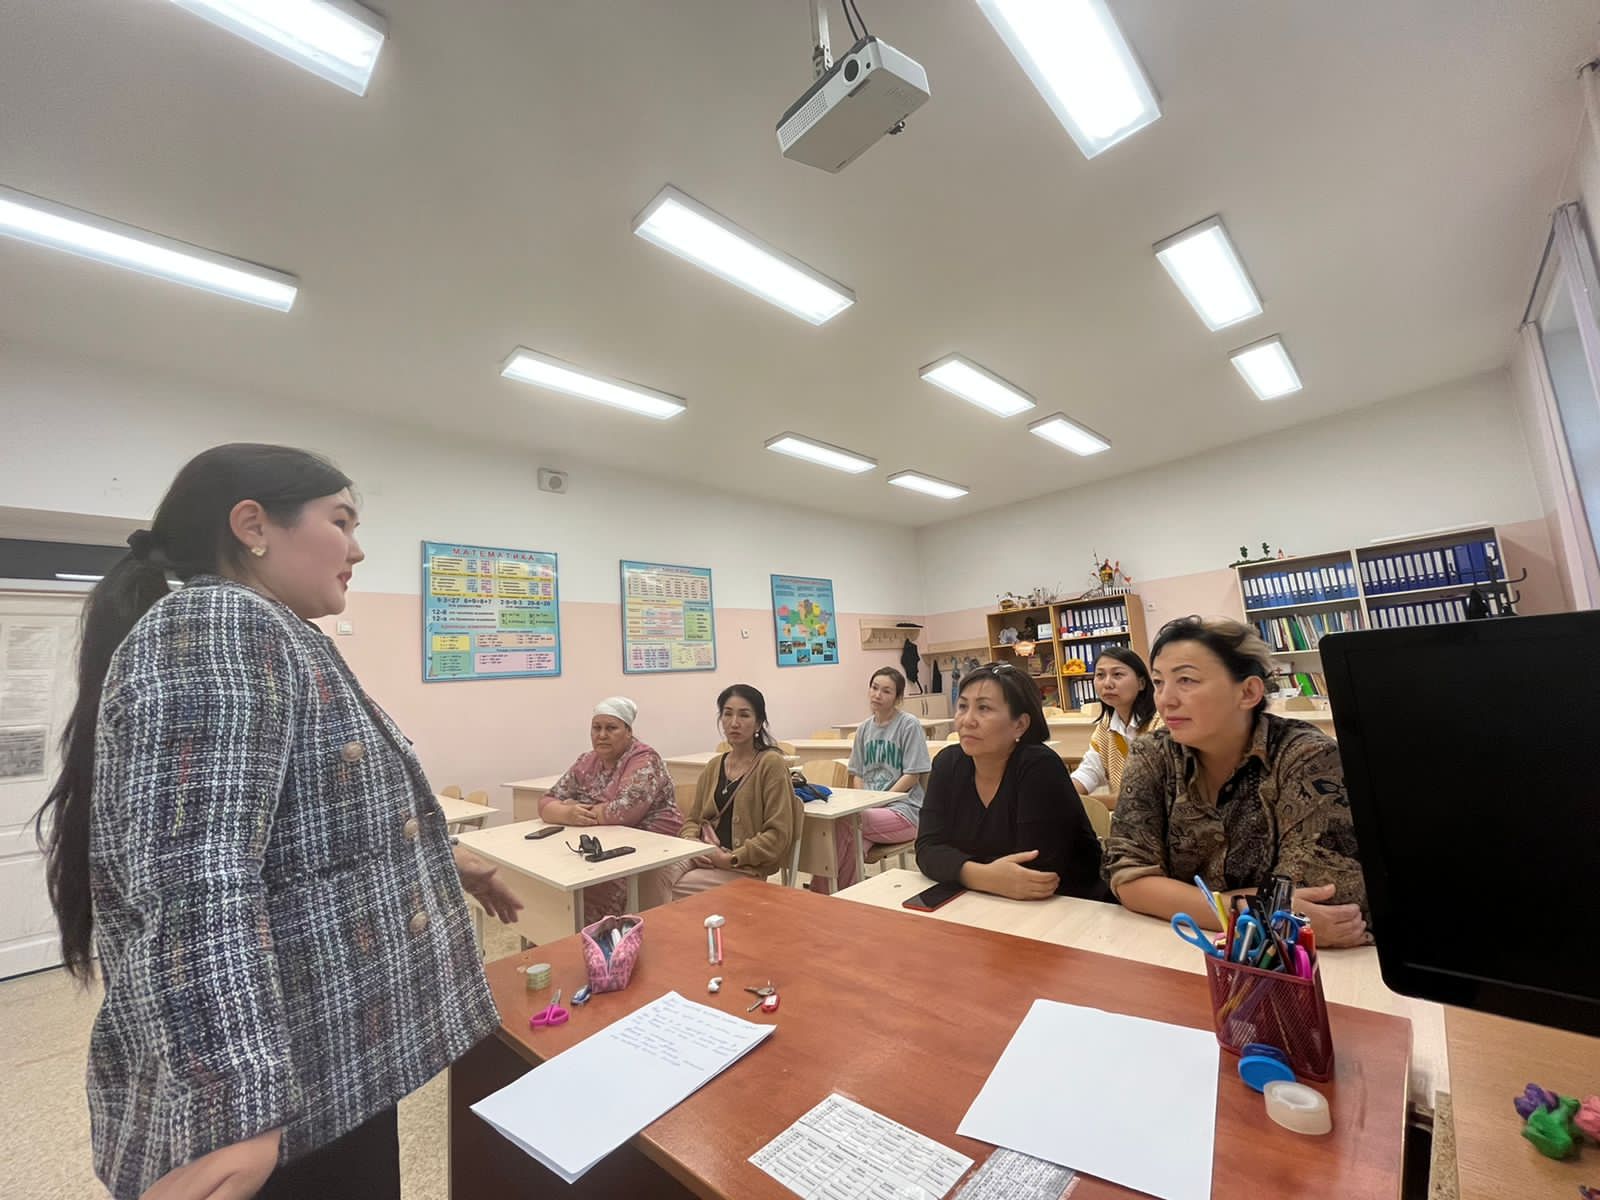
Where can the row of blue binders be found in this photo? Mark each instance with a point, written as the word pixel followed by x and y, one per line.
pixel 1093 619
pixel 1431 612
pixel 1304 585
pixel 1447 566
pixel 1081 690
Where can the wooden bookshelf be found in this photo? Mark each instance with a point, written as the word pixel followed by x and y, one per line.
pixel 1294 602
pixel 1068 630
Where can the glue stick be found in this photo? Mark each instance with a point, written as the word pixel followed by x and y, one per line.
pixel 714 924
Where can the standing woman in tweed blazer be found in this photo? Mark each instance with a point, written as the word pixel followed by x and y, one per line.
pixel 251 846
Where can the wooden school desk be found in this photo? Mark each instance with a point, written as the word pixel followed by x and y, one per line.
pixel 934 727
pixel 1348 976
pixel 461 812
pixel 818 846
pixel 907 1017
pixel 526 794
pixel 1492 1060
pixel 686 768
pixel 549 878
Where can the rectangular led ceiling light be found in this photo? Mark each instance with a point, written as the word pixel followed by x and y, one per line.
pixel 915 481
pixel 46 223
pixel 1076 56
pixel 962 377
pixel 695 233
pixel 820 453
pixel 335 39
pixel 1267 368
pixel 1069 435
pixel 529 366
pixel 1207 270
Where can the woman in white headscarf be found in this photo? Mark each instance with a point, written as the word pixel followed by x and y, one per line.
pixel 621 781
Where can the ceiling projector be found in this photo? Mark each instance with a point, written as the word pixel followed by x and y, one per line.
pixel 868 93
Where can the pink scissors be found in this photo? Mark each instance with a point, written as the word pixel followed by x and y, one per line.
pixel 554 1015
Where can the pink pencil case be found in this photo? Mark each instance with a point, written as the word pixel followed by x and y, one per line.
pixel 610 949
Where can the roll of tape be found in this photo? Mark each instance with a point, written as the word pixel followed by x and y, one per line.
pixel 1297 1107
pixel 538 976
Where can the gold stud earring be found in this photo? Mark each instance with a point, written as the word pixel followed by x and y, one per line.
pixel 259 551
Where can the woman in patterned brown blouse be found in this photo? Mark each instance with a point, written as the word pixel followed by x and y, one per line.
pixel 1231 792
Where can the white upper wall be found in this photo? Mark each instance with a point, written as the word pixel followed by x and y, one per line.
pixel 1447 456
pixel 83 438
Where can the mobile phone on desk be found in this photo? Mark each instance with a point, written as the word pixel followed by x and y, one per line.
pixel 614 852
pixel 547 831
pixel 937 896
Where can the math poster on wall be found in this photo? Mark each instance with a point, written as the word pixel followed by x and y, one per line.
pixel 802 609
pixel 668 623
pixel 488 613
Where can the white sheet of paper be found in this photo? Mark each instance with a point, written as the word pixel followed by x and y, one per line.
pixel 1075 1085
pixel 632 1071
pixel 842 1150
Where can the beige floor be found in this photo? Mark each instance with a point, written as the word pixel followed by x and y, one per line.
pixel 44 1122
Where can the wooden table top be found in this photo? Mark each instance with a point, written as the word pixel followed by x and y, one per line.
pixel 551 862
pixel 1348 976
pixel 462 810
pixel 846 802
pixel 1494 1059
pixel 542 784
pixel 909 1017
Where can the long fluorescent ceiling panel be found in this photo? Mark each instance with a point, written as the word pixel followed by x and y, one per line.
pixel 682 225
pixel 1204 264
pixel 1267 368
pixel 335 39
pixel 960 376
pixel 1068 434
pixel 1076 56
pixel 46 223
pixel 820 453
pixel 928 485
pixel 529 366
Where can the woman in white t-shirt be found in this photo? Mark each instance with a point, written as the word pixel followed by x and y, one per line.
pixel 890 755
pixel 1127 709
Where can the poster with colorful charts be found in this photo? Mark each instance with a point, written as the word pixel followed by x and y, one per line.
pixel 488 613
pixel 668 623
pixel 802 610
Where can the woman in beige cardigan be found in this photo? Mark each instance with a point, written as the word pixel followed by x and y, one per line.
pixel 744 804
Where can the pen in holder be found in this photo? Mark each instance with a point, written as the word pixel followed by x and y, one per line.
pixel 1275 1008
pixel 610 949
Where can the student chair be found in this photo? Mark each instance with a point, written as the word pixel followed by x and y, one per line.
pixel 1099 814
pixel 825 771
pixel 826 735
pixel 877 852
pixel 791 873
pixel 453 791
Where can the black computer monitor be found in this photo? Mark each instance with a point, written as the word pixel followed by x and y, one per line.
pixel 1472 758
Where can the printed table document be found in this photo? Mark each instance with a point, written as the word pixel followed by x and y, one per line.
pixel 633 1071
pixel 842 1150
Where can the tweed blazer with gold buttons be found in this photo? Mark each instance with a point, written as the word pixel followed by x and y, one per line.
pixel 280 925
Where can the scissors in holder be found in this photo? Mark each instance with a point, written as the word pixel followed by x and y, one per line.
pixel 1184 926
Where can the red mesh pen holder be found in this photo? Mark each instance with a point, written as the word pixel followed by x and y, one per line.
pixel 1275 1009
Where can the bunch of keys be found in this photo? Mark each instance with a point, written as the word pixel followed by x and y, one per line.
pixel 766 998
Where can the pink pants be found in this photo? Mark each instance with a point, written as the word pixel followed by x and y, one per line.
pixel 882 826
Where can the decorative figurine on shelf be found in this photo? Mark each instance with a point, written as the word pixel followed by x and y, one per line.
pixel 1074 666
pixel 1008 601
pixel 1007 637
pixel 1245 560
pixel 1109 577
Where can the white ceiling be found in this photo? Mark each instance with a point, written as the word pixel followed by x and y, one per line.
pixel 1386 169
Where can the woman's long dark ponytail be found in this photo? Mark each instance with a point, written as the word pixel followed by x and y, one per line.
pixel 190 536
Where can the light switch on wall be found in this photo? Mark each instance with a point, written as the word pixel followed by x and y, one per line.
pixel 744 633
pixel 346 628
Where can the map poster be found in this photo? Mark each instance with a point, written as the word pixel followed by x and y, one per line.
pixel 668 623
pixel 803 613
pixel 488 613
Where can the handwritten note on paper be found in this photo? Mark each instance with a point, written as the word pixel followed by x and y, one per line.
pixel 842 1150
pixel 633 1071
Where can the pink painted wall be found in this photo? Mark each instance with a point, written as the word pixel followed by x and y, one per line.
pixel 482 734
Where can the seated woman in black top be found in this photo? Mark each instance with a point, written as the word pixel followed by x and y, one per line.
pixel 1001 814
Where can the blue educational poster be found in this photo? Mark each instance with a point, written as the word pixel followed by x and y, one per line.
pixel 668 623
pixel 802 611
pixel 488 613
